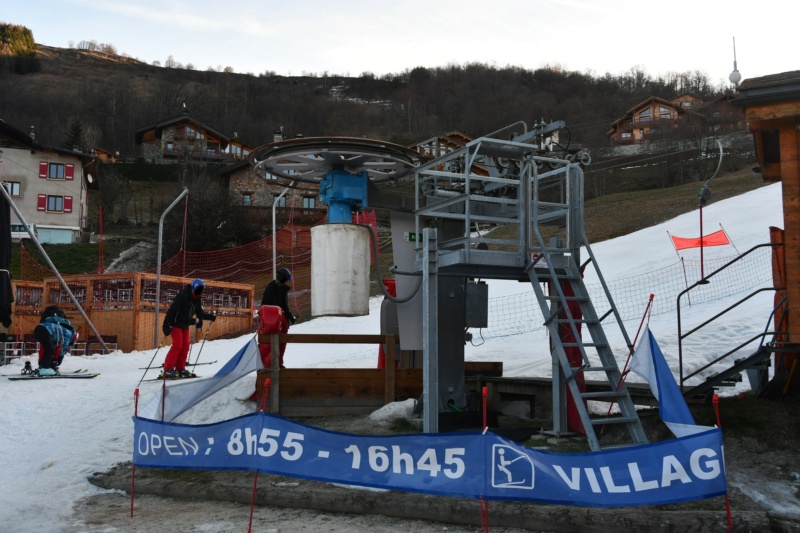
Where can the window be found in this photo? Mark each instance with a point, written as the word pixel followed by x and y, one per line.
pixel 645 112
pixel 715 114
pixel 12 187
pixel 55 203
pixel 665 116
pixel 192 133
pixel 626 135
pixel 662 109
pixel 279 201
pixel 686 104
pixel 309 202
pixel 55 171
pixel 247 199
pixel 644 116
pixel 170 146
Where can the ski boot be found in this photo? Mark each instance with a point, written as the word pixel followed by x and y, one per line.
pixel 187 374
pixel 169 374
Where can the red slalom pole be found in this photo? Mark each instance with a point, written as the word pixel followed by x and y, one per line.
pixel 261 408
pixel 485 397
pixel 485 503
pixel 133 466
pixel 630 354
pixel 727 499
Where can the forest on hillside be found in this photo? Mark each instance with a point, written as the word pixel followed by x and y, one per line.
pixel 91 95
pixel 111 96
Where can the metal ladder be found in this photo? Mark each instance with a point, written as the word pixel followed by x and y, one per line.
pixel 556 312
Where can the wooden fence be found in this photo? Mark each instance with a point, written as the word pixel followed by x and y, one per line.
pixel 308 392
pixel 122 306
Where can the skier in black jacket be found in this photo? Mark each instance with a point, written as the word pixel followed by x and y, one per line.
pixel 277 293
pixel 180 317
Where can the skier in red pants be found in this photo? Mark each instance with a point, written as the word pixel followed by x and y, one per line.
pixel 180 317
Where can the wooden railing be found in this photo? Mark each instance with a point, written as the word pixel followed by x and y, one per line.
pixel 304 392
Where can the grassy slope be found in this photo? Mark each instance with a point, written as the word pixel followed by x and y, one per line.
pixel 619 214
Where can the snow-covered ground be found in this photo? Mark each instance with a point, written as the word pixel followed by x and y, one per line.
pixel 54 434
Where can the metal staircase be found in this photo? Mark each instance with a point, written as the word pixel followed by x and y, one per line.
pixel 511 179
pixel 598 361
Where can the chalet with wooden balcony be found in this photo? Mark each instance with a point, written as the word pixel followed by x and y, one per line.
pixel 183 139
pixel 657 119
pixel 723 115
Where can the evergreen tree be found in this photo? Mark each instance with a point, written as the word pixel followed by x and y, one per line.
pixel 18 50
pixel 75 139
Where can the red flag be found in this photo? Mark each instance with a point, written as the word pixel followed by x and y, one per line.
pixel 718 238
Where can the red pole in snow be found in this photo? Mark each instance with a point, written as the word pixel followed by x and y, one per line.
pixel 727 500
pixel 133 467
pixel 261 408
pixel 485 396
pixel 702 275
pixel 485 503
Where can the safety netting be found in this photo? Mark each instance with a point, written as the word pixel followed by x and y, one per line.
pixel 508 315
pixel 253 263
pixel 519 313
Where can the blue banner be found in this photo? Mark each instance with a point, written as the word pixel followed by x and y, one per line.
pixel 467 465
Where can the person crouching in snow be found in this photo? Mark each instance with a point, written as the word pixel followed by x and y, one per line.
pixel 180 317
pixel 55 335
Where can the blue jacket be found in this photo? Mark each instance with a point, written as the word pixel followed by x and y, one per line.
pixel 61 332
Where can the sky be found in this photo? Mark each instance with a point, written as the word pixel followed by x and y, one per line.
pixel 57 433
pixel 350 37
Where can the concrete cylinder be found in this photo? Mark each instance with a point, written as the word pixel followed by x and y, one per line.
pixel 340 270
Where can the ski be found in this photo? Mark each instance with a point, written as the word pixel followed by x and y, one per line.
pixel 32 377
pixel 170 379
pixel 162 366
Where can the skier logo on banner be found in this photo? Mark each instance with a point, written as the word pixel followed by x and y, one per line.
pixel 512 470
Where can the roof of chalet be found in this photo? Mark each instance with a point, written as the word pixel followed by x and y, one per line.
pixel 23 140
pixel 229 169
pixel 693 95
pixel 657 99
pixel 772 88
pixel 183 117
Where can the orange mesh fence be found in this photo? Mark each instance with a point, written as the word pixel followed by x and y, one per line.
pixel 249 264
pixel 252 263
pixel 29 268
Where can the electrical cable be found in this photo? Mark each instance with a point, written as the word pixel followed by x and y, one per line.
pixel 386 294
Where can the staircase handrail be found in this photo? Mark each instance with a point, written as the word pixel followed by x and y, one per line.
pixel 606 291
pixel 705 281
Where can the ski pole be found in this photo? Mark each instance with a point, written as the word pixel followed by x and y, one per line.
pixel 191 344
pixel 201 347
pixel 151 360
